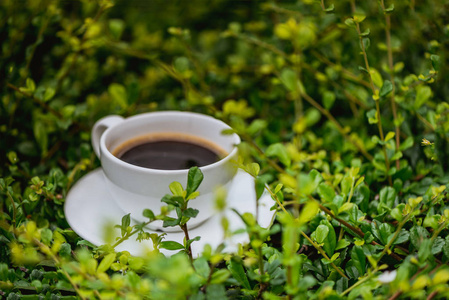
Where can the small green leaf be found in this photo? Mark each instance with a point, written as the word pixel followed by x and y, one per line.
pixel 330 8
pixel 326 192
pixel 372 116
pixel 358 258
pixel 278 150
pixel 238 273
pixel 126 221
pixel 350 22
pixel 423 94
pixel 387 197
pixel 436 63
pixel 220 276
pixel 389 136
pixel 171 245
pixel 328 99
pixel 202 267
pixel 321 233
pixel 290 79
pixel 106 262
pixel 259 185
pixel 148 213
pixel 118 94
pixel 31 86
pixel 366 42
pixel 49 93
pixel 342 244
pixel 253 169
pixel 387 87
pixel 176 189
pixel 407 143
pixel 170 222
pixel 389 9
pixel 194 179
pixel 366 32
pixel 190 212
pixel 181 64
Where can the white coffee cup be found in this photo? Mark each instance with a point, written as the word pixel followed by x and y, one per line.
pixel 136 188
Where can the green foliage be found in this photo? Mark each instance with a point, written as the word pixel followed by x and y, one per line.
pixel 342 109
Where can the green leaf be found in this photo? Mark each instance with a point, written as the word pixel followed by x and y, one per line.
pixel 41 136
pixel 436 63
pixel 220 276
pixel 278 150
pixel 389 136
pixel 106 262
pixel 259 185
pixel 321 233
pixel 118 94
pixel 189 242
pixel 372 116
pixel 202 267
pixel 423 94
pixel 194 179
pixel 176 189
pixel 253 169
pixel 181 64
pixel 30 85
pixel 170 222
pixel 387 197
pixel 290 79
pixel 350 22
pixel 126 221
pixel 308 212
pixel 407 143
pixel 49 93
pixel 238 273
pixel 403 237
pixel 366 43
pixel 396 212
pixel 358 258
pixel 366 32
pixel 171 245
pixel 46 236
pixel 173 200
pixel 417 235
pixel 148 213
pixel 116 27
pixel 387 87
pixel 326 192
pixel 190 212
pixel 342 244
pixel 328 99
pixel 390 8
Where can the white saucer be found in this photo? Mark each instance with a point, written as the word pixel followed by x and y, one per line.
pixel 89 210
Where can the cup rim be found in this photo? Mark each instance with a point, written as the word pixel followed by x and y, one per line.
pixel 111 157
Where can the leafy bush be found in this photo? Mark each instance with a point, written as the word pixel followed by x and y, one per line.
pixel 342 108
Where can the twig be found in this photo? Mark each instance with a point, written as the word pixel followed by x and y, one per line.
pixel 391 67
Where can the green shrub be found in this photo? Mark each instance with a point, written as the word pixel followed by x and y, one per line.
pixel 341 106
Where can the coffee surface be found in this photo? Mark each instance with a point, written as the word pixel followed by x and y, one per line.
pixel 169 155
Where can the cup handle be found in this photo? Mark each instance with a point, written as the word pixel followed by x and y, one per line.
pixel 100 127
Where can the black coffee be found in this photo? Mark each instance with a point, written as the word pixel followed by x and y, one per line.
pixel 169 155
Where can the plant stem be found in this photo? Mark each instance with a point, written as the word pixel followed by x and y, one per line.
pixel 390 243
pixel 339 127
pixel 45 249
pixel 363 280
pixel 356 230
pixel 391 69
pixel 317 247
pixel 373 89
pixel 186 233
